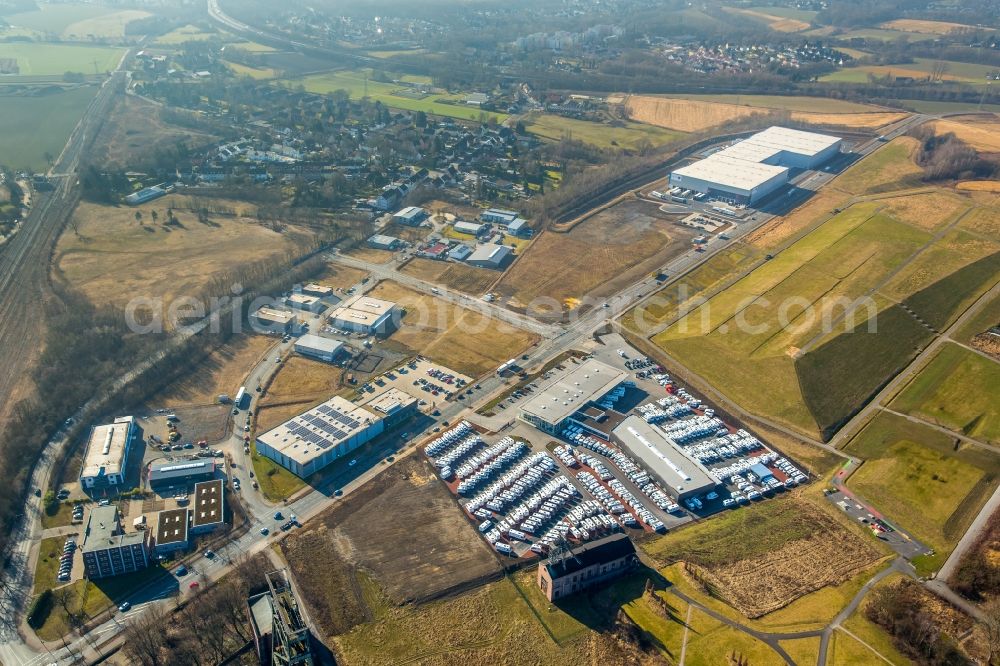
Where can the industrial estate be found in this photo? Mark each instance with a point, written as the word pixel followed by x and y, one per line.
pixel 385 333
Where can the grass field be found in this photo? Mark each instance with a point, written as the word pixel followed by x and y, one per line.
pixel 221 372
pixel 30 127
pixel 458 338
pixel 959 390
pixel 52 59
pixel 303 380
pixel 925 27
pixel 54 18
pixel 933 107
pixel 50 549
pixel 276 482
pixel 258 73
pixel 919 477
pixel 691 113
pixel 920 68
pixel 390 94
pixel 765 558
pixel 595 259
pixel 460 277
pixel 112 258
pixel 773 20
pixel 340 277
pixel 630 136
pixel 982 133
pixel 105 26
pixel 187 33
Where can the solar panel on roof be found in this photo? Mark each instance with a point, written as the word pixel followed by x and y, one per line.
pixel 345 419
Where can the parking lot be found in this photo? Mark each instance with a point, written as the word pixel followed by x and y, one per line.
pixel 431 383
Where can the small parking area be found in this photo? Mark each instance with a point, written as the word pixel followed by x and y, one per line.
pixel 431 383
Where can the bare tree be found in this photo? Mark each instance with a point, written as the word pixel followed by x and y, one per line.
pixel 145 639
pixel 991 624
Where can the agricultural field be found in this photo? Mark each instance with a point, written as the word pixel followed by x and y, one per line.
pixel 259 73
pixel 222 371
pixel 54 18
pixel 980 132
pixel 596 258
pixel 810 366
pixel 187 33
pixel 33 126
pixel 699 112
pixel 629 136
pixel 766 557
pixel 415 516
pixel 135 130
pixel 458 338
pixel 920 68
pixel 460 277
pixel 932 107
pixel 958 390
pixel 107 26
pixel 396 96
pixel 922 479
pixel 53 59
pixel 926 27
pixel 111 257
pixel 772 20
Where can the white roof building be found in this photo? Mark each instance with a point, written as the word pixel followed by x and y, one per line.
pixel 106 458
pixel 570 392
pixel 490 255
pixel 314 346
pixel 363 314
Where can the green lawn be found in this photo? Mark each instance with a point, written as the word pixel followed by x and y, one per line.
pixel 392 95
pixel 63 515
pixel 32 126
pixel 986 318
pixel 787 12
pixel 918 478
pixel 50 59
pixel 959 390
pixel 788 103
pixel 187 33
pixel 629 136
pixel 946 107
pixel 881 34
pixel 276 482
pixel 105 26
pixel 47 567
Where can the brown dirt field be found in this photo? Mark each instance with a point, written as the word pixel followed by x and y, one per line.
pixel 207 422
pixel 456 337
pixel 925 211
pixel 112 259
pixel 600 255
pixel 461 277
pixel 988 344
pixel 979 186
pixel 303 379
pixel 982 133
pixel 136 129
pixel 269 416
pixel 407 233
pixel 222 372
pixel 765 583
pixel 854 120
pixel 925 27
pixel 403 528
pixel 370 254
pixel 340 277
pixel 684 114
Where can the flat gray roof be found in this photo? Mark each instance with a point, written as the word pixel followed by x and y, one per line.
pixel 308 435
pixel 731 171
pixel 106 448
pixel 572 389
pixel 316 343
pixel 490 252
pixel 103 531
pixel 664 456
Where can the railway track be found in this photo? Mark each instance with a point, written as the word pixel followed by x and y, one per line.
pixel 24 261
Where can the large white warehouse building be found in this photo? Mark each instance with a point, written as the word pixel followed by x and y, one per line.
pixel 748 171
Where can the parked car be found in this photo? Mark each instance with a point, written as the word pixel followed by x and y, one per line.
pixel 124 606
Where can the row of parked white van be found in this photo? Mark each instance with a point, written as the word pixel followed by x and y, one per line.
pixel 448 438
pixel 509 488
pixel 664 409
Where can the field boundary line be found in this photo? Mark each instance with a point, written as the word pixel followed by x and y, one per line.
pixel 855 637
pixel 684 641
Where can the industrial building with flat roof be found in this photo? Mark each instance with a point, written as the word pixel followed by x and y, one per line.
pixel 180 473
pixel 489 255
pixel 364 314
pixel 667 460
pixel 323 349
pixel 106 459
pixel 748 171
pixel 569 392
pixel 383 242
pixel 393 405
pixel 304 302
pixel 208 510
pixel 270 319
pixel 314 439
pixel 410 216
pixel 317 290
pixel 472 228
pixel 171 531
pixel 107 549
